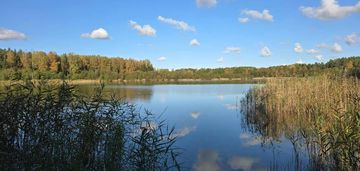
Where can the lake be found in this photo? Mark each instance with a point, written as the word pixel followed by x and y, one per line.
pixel 211 129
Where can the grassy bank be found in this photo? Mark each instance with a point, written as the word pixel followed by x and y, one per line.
pixel 320 113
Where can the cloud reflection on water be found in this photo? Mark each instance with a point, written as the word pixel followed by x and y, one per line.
pixel 242 163
pixel 248 140
pixel 184 131
pixel 195 115
pixel 209 160
pixel 221 97
pixel 231 106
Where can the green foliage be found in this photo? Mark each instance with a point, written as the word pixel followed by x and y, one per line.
pixel 72 66
pixel 51 127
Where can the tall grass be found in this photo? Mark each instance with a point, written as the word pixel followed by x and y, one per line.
pixel 320 113
pixel 51 127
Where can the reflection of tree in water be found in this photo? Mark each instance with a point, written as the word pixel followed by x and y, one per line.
pixel 119 91
pixel 319 116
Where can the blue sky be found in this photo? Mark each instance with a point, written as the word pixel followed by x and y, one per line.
pixel 227 32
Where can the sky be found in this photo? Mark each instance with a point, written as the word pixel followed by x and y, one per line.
pixel 187 33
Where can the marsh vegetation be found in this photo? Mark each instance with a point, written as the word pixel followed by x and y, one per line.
pixel 319 115
pixel 51 127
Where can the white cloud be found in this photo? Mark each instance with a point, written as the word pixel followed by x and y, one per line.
pixel 264 15
pixel 299 61
pixel 336 47
pixel 206 3
pixel 319 58
pixel 243 19
pixel 7 34
pixel 145 30
pixel 330 9
pixel 352 39
pixel 312 51
pixel 220 60
pixel 265 52
pixel 178 24
pixel 99 33
pixel 232 49
pixel 161 58
pixel 298 48
pixel 194 42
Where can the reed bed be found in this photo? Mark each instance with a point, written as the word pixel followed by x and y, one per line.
pixel 50 127
pixel 321 113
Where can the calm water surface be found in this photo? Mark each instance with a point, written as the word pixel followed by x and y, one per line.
pixel 210 127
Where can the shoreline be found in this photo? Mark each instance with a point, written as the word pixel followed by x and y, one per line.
pixel 144 81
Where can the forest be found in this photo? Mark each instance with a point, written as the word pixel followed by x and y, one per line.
pixel 21 65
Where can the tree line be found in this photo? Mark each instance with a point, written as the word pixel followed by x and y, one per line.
pixel 17 65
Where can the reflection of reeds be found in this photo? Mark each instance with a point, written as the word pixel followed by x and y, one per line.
pixel 49 127
pixel 323 111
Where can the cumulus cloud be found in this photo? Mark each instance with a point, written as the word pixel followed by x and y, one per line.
pixel 99 33
pixel 312 51
pixel 330 9
pixel 243 19
pixel 298 48
pixel 161 58
pixel 336 47
pixel 194 42
pixel 145 30
pixel 7 34
pixel 352 39
pixel 206 3
pixel 265 52
pixel 264 15
pixel 232 49
pixel 220 60
pixel 319 58
pixel 178 24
